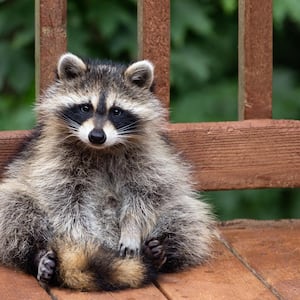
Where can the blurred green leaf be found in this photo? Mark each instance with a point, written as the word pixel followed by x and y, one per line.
pixel 286 9
pixel 195 20
pixel 210 103
pixel 229 6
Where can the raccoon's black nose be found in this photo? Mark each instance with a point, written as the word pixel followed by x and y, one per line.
pixel 97 136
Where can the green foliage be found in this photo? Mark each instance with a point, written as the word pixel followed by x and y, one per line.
pixel 16 114
pixel 16 33
pixel 203 70
pixel 195 104
pixel 199 72
pixel 105 29
pixel 258 204
pixel 17 64
pixel 287 9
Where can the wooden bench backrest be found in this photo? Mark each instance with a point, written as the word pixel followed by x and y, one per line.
pixel 253 152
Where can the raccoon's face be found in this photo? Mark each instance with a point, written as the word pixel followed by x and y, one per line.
pixel 103 105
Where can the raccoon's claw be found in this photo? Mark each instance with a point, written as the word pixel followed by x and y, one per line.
pixel 128 252
pixel 129 246
pixel 46 266
pixel 155 251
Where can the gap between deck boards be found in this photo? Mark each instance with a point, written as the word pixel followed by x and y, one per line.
pixel 244 262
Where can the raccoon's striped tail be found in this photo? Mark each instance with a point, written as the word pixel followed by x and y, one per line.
pixel 91 268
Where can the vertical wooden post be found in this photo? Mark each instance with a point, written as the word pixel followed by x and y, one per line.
pixel 50 39
pixel 255 59
pixel 154 42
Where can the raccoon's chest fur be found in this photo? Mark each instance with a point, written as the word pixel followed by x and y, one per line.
pixel 82 202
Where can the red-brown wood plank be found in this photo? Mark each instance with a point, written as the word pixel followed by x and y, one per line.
pixel 255 59
pixel 50 39
pixel 226 155
pixel 224 277
pixel 10 142
pixel 17 285
pixel 147 293
pixel 271 250
pixel 154 42
pixel 241 155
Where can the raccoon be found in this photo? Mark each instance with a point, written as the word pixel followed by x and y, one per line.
pixel 98 199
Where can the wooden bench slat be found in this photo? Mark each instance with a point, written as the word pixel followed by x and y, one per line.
pixel 241 155
pixel 154 42
pixel 225 155
pixel 255 59
pixel 272 251
pixel 50 39
pixel 10 142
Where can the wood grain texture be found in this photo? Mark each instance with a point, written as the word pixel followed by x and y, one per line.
pixel 50 39
pixel 223 277
pixel 10 142
pixel 154 42
pixel 147 293
pixel 16 285
pixel 271 250
pixel 241 155
pixel 225 155
pixel 255 59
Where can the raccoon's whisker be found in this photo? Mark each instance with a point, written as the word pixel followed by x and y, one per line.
pixel 73 124
pixel 128 126
pixel 129 130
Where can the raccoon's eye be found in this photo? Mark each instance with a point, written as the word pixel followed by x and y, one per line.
pixel 85 108
pixel 117 111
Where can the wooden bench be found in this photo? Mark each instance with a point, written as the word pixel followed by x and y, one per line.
pixel 252 259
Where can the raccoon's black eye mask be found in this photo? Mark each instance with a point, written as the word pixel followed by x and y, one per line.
pixel 123 119
pixel 78 113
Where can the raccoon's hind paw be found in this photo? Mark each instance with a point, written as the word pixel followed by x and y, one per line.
pixel 46 266
pixel 155 251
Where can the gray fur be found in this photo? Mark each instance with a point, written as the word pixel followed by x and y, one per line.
pixel 118 196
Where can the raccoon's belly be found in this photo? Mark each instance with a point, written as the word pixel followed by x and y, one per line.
pixel 107 231
pixel 101 227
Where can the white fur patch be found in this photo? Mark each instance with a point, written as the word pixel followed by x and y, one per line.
pixel 95 100
pixel 112 137
pixel 84 131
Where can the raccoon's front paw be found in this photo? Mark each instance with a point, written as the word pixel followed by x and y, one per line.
pixel 46 266
pixel 129 246
pixel 155 251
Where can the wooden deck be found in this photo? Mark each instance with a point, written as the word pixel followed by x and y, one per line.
pixel 252 260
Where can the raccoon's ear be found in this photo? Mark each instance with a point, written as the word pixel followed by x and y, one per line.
pixel 70 66
pixel 140 73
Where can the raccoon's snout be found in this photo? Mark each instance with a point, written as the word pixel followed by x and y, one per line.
pixel 97 136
